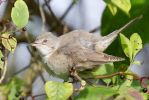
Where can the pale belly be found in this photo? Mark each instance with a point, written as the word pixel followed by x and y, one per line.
pixel 59 65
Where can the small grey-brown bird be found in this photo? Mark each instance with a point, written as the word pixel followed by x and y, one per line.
pixel 78 49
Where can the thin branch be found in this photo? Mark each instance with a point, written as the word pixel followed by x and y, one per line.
pixel 42 16
pixel 67 11
pixel 38 95
pixel 42 77
pixel 21 70
pixel 47 2
pixel 49 8
pixel 4 70
pixel 117 73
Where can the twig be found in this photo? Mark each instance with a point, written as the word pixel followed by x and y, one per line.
pixel 67 11
pixel 42 16
pixel 4 70
pixel 43 79
pixel 49 8
pixel 38 95
pixel 56 24
pixel 47 2
pixel 21 70
pixel 117 73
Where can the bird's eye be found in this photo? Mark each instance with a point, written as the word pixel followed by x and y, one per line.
pixel 44 41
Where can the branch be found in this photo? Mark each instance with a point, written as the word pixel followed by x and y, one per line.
pixel 33 97
pixel 21 70
pixel 117 73
pixel 5 68
pixel 67 11
pixel 42 16
pixel 49 8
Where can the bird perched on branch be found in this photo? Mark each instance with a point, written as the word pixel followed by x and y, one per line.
pixel 78 50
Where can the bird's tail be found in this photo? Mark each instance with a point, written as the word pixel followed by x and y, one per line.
pixel 107 40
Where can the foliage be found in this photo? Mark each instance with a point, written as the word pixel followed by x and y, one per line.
pixel 123 5
pixel 114 86
pixel 131 47
pixel 9 42
pixel 58 91
pixel 13 89
pixel 20 19
pixel 1 62
pixel 94 93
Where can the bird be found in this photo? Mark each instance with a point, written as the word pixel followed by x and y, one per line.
pixel 78 50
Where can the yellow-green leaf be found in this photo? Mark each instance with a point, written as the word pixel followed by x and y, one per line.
pixel 1 62
pixel 112 8
pixel 96 93
pixel 124 5
pixel 137 62
pixel 129 80
pixel 58 91
pixel 136 42
pixel 126 46
pixel 20 13
pixel 9 42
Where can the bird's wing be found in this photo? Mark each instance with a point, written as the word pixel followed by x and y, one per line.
pixel 101 57
pixel 80 54
pixel 85 38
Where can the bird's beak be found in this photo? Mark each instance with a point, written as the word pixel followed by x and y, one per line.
pixel 34 44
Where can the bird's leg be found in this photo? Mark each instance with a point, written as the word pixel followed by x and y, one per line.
pixel 74 73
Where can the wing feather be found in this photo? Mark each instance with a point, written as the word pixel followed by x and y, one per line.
pixel 80 54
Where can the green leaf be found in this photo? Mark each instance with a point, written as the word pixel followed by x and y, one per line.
pixel 145 96
pixel 9 42
pixel 136 42
pixel 129 80
pixel 13 92
pixel 129 93
pixel 112 8
pixel 20 14
pixel 16 89
pixel 96 93
pixel 126 46
pixel 137 62
pixel 124 5
pixel 58 91
pixel 104 69
pixel 1 62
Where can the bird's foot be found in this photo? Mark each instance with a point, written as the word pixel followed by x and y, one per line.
pixel 74 73
pixel 82 86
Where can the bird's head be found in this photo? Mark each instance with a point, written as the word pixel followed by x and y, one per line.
pixel 45 43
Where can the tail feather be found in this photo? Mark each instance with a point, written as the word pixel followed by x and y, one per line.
pixel 107 40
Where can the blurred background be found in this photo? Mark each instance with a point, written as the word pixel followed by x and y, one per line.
pixel 62 16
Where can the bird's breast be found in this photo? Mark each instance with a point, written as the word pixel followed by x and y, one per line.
pixel 59 63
